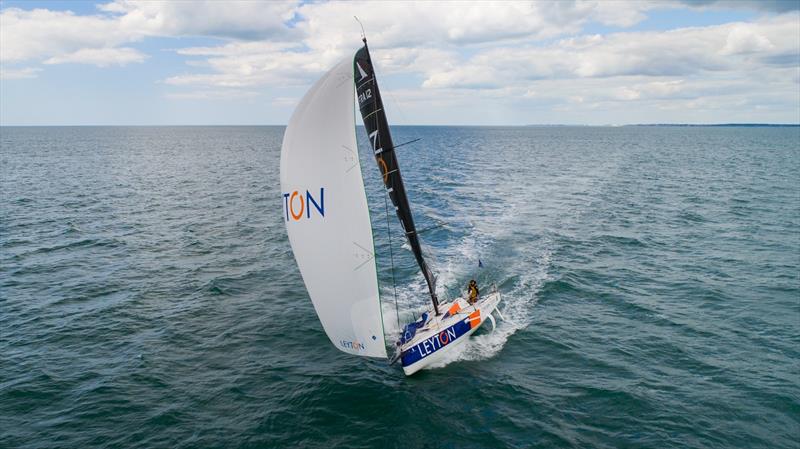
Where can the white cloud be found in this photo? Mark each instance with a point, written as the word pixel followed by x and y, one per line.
pixel 410 36
pixel 250 63
pixel 708 68
pixel 516 54
pixel 226 94
pixel 63 36
pixel 285 101
pixel 413 24
pixel 608 100
pixel 18 74
pixel 779 6
pixel 101 57
pixel 40 34
pixel 745 39
pixel 226 19
pixel 738 47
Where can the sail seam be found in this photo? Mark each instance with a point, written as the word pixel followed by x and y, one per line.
pixel 373 112
pixel 365 82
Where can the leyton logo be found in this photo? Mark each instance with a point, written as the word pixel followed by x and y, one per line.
pixel 433 344
pixel 352 345
pixel 295 204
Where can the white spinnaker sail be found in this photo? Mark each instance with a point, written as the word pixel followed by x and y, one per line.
pixel 326 214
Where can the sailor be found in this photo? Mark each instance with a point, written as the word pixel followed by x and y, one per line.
pixel 473 291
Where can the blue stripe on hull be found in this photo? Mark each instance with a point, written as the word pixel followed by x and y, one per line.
pixel 435 342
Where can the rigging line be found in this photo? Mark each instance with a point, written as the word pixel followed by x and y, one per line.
pixel 388 221
pixel 397 105
pixel 396 146
pixel 391 255
pixel 406 143
pixel 391 96
pixel 430 228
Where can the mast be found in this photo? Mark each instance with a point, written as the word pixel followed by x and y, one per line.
pixel 374 116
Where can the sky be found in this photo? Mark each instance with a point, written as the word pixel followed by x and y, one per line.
pixel 587 62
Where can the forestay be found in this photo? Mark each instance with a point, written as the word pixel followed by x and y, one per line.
pixel 326 214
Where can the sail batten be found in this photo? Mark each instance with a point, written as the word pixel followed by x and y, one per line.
pixel 376 124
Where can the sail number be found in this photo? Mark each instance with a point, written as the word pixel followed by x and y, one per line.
pixel 295 204
pixel 364 96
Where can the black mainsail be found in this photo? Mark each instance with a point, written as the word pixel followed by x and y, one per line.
pixel 371 106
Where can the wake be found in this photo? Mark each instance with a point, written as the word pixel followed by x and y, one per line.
pixel 518 275
pixel 516 306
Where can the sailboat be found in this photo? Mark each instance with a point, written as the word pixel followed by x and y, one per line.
pixel 329 226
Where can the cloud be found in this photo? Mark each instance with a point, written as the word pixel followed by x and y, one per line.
pixel 18 74
pixel 229 19
pixel 101 57
pixel 226 94
pixel 40 34
pixel 778 6
pixel 411 36
pixel 745 39
pixel 609 100
pixel 737 47
pixel 62 36
pixel 525 55
pixel 241 64
pixel 285 101
pixel 520 64
pixel 411 24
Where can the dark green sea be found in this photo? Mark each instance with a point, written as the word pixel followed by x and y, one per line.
pixel 650 280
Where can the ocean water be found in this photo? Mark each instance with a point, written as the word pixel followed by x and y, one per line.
pixel 650 280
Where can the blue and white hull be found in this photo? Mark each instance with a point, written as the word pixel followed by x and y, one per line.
pixel 431 343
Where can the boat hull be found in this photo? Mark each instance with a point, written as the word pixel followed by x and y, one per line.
pixel 443 333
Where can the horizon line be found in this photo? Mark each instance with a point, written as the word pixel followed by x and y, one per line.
pixel 532 125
